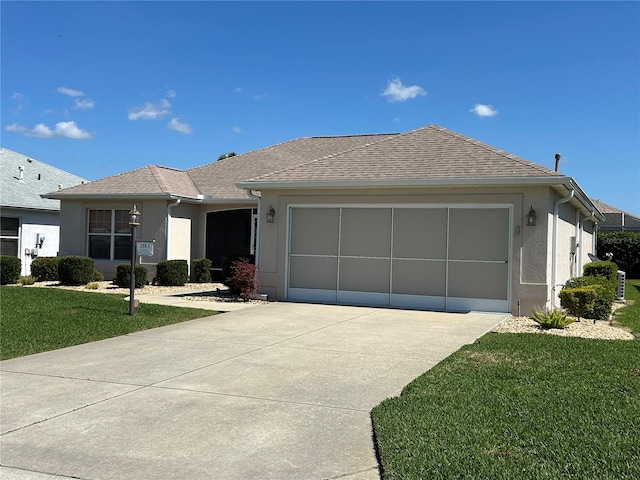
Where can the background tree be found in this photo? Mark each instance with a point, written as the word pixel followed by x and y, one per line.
pixel 227 155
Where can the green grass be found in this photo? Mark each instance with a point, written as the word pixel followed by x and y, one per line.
pixel 36 320
pixel 525 406
pixel 629 317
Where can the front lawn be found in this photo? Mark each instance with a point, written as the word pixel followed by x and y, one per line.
pixel 36 320
pixel 525 406
pixel 629 316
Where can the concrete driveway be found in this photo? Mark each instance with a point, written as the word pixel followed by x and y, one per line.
pixel 277 391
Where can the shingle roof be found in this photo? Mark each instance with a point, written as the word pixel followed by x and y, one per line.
pixel 431 152
pixel 37 178
pixel 614 217
pixel 219 179
pixel 149 180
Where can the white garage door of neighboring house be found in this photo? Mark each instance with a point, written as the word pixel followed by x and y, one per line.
pixel 432 257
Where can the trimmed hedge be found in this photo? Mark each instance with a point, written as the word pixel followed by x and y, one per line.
pixel 578 301
pixel 9 269
pixel 45 269
pixel 625 247
pixel 174 273
pixel 122 277
pixel 75 270
pixel 604 291
pixel 601 268
pixel 201 271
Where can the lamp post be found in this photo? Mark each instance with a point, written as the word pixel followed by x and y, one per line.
pixel 134 221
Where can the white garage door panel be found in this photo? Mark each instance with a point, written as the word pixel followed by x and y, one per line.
pixel 364 275
pixel 478 280
pixel 420 233
pixel 478 234
pixel 365 232
pixel 419 277
pixel 433 257
pixel 313 272
pixel 314 231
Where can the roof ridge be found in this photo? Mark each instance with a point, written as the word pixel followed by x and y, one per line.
pixel 495 150
pixel 160 180
pixel 245 153
pixel 389 136
pixel 163 183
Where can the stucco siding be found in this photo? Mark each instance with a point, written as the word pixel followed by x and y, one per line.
pixel 529 274
pixel 74 228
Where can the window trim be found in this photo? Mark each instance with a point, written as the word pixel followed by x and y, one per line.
pixel 14 237
pixel 112 234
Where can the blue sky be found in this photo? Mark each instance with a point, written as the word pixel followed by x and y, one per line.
pixel 98 88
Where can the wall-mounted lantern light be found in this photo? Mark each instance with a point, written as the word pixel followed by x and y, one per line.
pixel 271 214
pixel 531 217
pixel 134 221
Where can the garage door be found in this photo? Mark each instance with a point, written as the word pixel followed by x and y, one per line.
pixel 435 257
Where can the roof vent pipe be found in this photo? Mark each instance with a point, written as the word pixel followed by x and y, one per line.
pixel 21 169
pixel 557 161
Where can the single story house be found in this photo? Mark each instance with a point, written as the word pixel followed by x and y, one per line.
pixel 30 223
pixel 616 220
pixel 426 219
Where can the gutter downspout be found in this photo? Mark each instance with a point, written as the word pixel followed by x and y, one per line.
pixel 554 256
pixel 257 252
pixel 169 207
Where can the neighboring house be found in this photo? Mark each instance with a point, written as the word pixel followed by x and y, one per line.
pixel 424 219
pixel 30 224
pixel 616 220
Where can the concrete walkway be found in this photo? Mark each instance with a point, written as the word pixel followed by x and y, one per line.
pixel 275 391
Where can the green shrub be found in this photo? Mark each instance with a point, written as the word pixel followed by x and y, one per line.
pixel 625 247
pixel 172 272
pixel 553 319
pixel 578 301
pixel 122 277
pixel 45 269
pixel 600 268
pixel 227 261
pixel 243 278
pixel 29 280
pixel 605 295
pixel 9 269
pixel 75 270
pixel 91 286
pixel 201 270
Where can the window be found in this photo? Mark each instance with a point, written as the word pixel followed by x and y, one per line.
pixel 9 236
pixel 109 235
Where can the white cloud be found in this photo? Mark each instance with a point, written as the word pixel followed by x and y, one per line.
pixel 70 91
pixel 397 92
pixel 85 103
pixel 62 129
pixel 178 126
pixel 71 130
pixel 236 129
pixel 484 110
pixel 150 111
pixel 21 101
pixel 170 93
pixel 237 90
